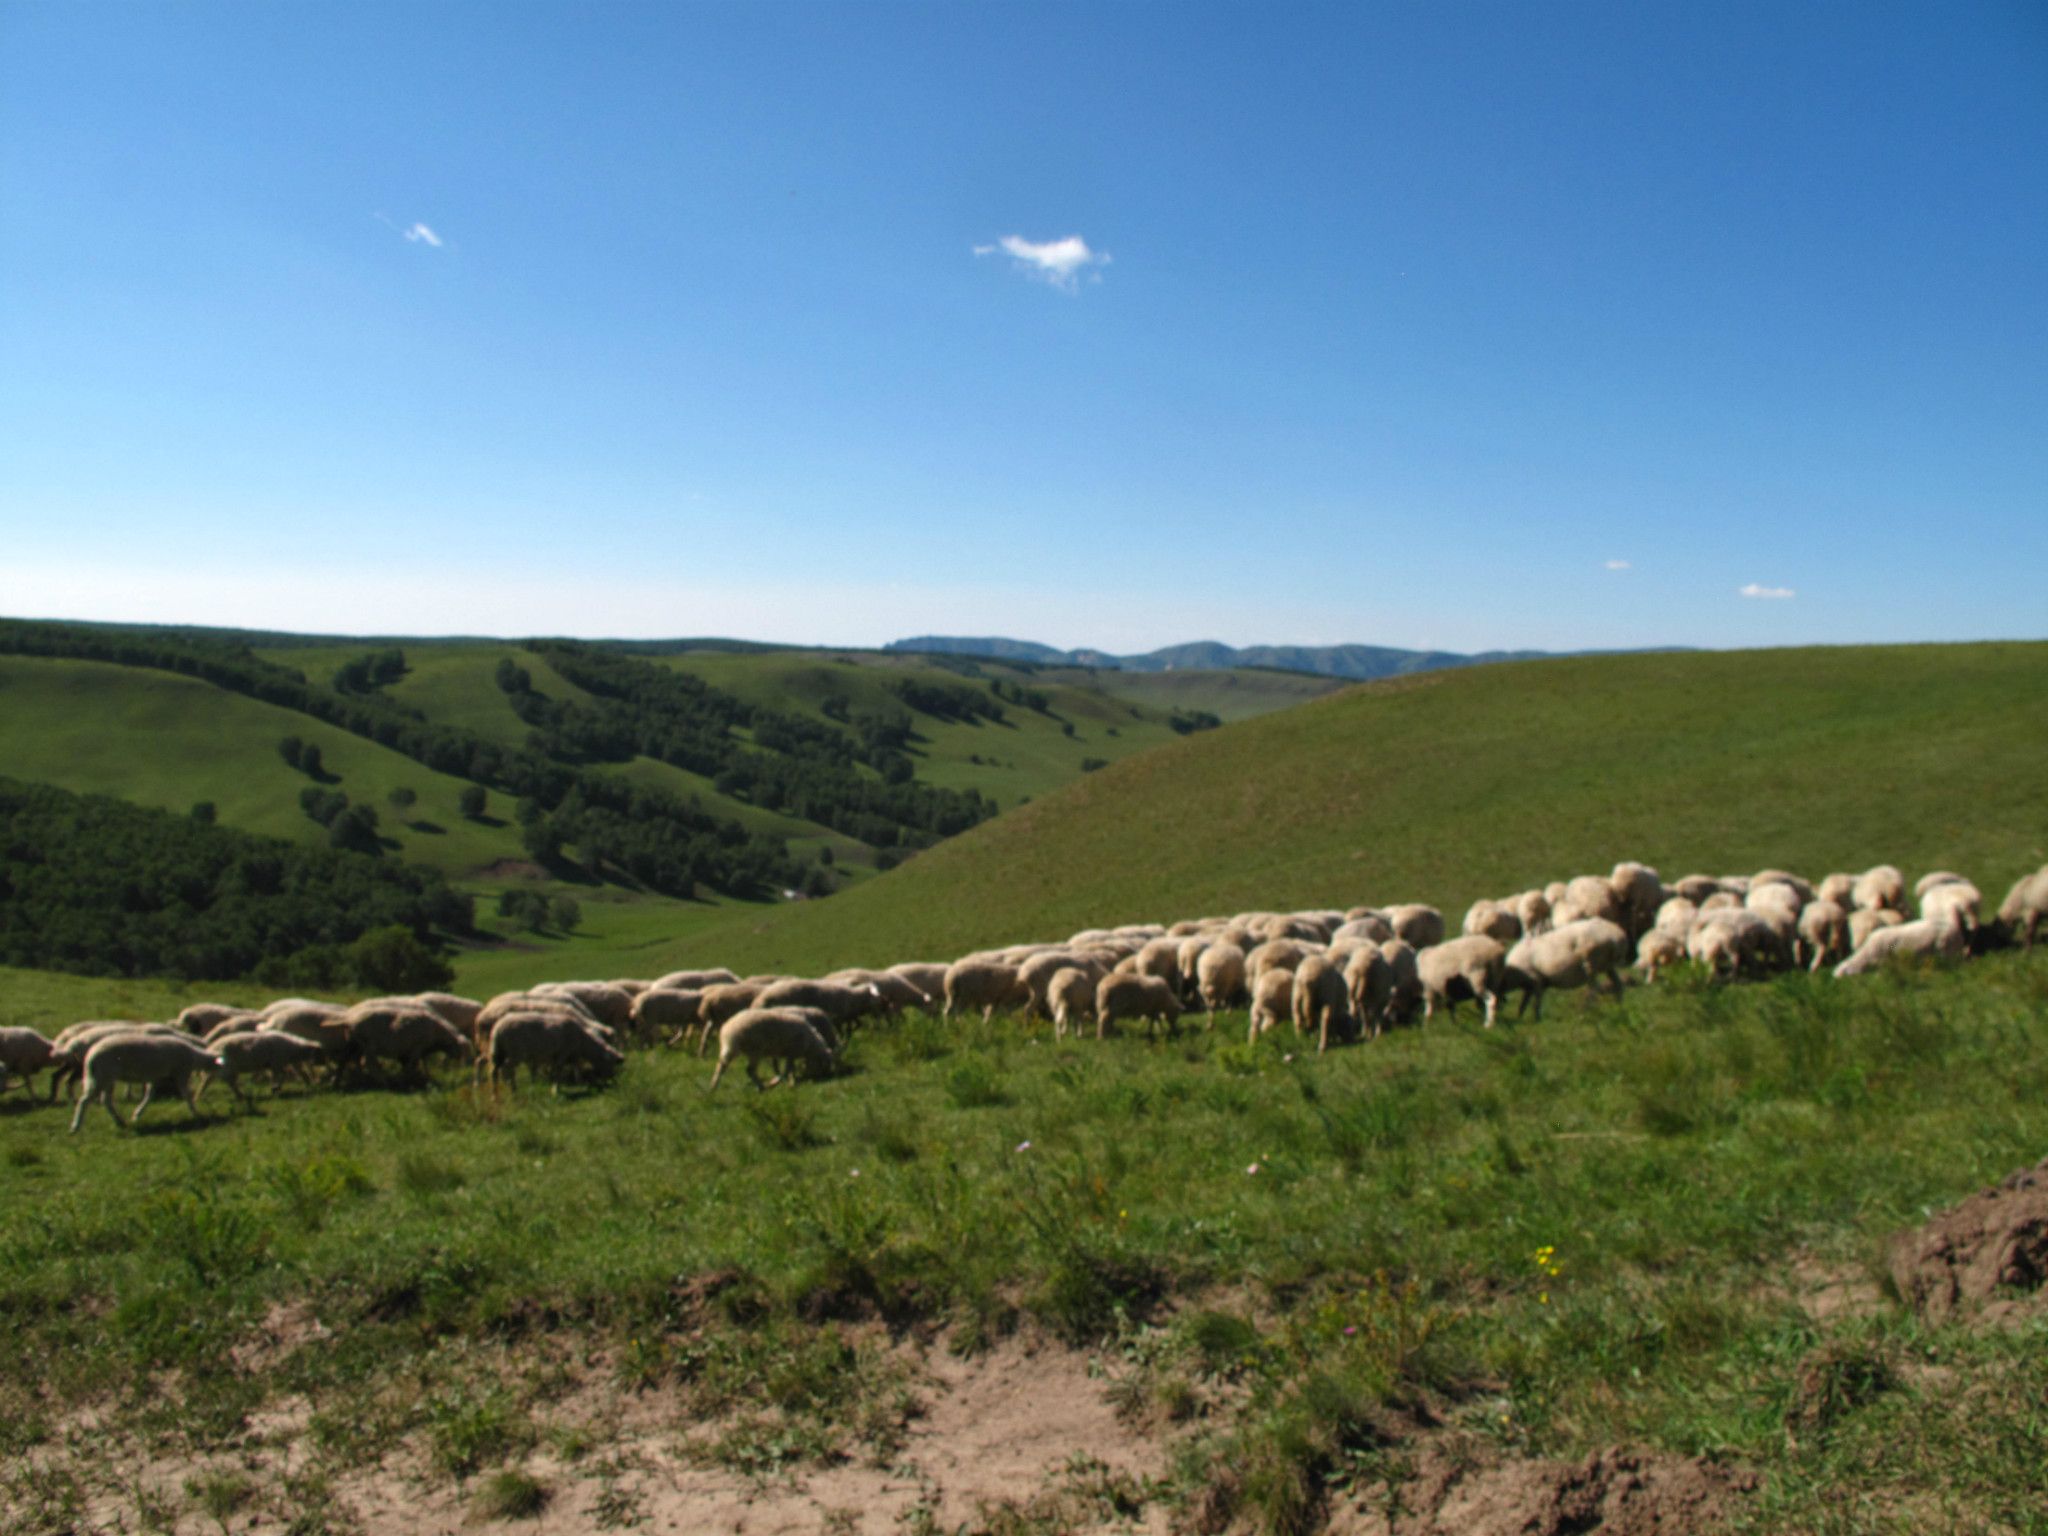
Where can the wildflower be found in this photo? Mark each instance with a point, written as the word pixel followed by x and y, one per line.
pixel 853 1173
pixel 1543 1297
pixel 1349 1330
pixel 1251 1168
pixel 1024 1146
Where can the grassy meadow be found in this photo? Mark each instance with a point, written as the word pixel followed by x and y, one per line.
pixel 1543 1239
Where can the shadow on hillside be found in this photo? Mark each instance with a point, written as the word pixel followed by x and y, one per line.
pixel 430 828
pixel 493 822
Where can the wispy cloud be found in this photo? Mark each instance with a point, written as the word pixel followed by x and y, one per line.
pixel 420 232
pixel 1617 565
pixel 416 233
pixel 1758 589
pixel 1059 262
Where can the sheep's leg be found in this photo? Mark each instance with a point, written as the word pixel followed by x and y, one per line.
pixel 720 1072
pixel 754 1071
pixel 78 1114
pixel 191 1096
pixel 148 1093
pixel 1492 1001
pixel 106 1097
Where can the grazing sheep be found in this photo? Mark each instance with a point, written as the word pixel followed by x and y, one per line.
pixel 894 993
pixel 296 1004
pixel 1160 958
pixel 695 981
pixel 1416 924
pixel 844 1006
pixel 1151 998
pixel 1574 955
pixel 1676 918
pixel 986 985
pixel 1406 994
pixel 928 977
pixel 1934 877
pixel 1070 998
pixel 552 1042
pixel 609 1005
pixel 1459 970
pixel 460 1011
pixel 1272 1001
pixel 1865 921
pixel 783 1036
pixel 673 1009
pixel 1722 901
pixel 272 1051
pixel 202 1019
pixel 718 1003
pixel 1696 888
pixel 155 1060
pixel 1533 908
pixel 1771 896
pixel 1037 974
pixel 23 1053
pixel 404 1033
pixel 1368 925
pixel 1823 934
pixel 1941 934
pixel 1734 939
pixel 1958 896
pixel 1658 950
pixel 328 1031
pixel 2025 907
pixel 1321 1000
pixel 1882 886
pixel 1639 892
pixel 1493 919
pixel 1801 888
pixel 1275 954
pixel 1586 896
pixel 1838 888
pixel 1219 976
pixel 1369 982
pixel 74 1043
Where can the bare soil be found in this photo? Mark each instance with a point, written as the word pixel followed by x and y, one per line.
pixel 1985 1257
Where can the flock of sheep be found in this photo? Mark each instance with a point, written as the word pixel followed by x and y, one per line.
pixel 1335 975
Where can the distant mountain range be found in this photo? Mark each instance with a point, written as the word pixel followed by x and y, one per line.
pixel 1356 662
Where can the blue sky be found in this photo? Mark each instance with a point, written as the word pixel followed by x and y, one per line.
pixel 1435 325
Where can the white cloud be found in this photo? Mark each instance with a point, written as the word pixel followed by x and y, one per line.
pixel 1617 565
pixel 420 232
pixel 1758 589
pixel 1058 262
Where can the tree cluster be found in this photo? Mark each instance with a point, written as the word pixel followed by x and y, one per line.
pixel 365 673
pixel 95 885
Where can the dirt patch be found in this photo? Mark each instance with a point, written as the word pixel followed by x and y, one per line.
pixel 1987 1256
pixel 1828 1292
pixel 1459 1491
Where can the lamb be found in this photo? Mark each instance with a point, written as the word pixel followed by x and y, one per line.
pixel 23 1053
pixel 549 1041
pixel 1151 998
pixel 1533 908
pixel 1959 896
pixel 155 1060
pixel 271 1051
pixel 1658 950
pixel 1458 970
pixel 1882 886
pixel 404 1033
pixel 1575 955
pixel 1417 924
pixel 1070 998
pixel 1321 999
pixel 1823 934
pixel 986 985
pixel 1493 919
pixel 1219 976
pixel 1941 934
pixel 695 981
pixel 780 1035
pixel 2025 907
pixel 1272 1001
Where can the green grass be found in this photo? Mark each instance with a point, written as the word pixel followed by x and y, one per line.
pixel 1565 1236
pixel 1482 781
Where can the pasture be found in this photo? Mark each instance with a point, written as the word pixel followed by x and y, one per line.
pixel 1647 1224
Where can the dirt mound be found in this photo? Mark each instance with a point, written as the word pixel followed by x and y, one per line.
pixel 1615 1492
pixel 1988 1255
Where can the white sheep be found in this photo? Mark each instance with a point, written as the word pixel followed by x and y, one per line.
pixel 1070 998
pixel 2025 907
pixel 547 1041
pixel 23 1053
pixel 1838 888
pixel 1496 920
pixel 1459 970
pixel 1729 940
pixel 1823 934
pixel 1638 891
pixel 1416 924
pixel 609 1005
pixel 1367 925
pixel 1941 935
pixel 1955 895
pixel 1124 996
pixel 1882 886
pixel 1676 917
pixel 1658 950
pixel 670 1009
pixel 784 1036
pixel 1865 921
pixel 1575 954
pixel 725 1000
pixel 404 1033
pixel 1934 877
pixel 844 1006
pixel 1321 1000
pixel 250 1051
pixel 695 981
pixel 201 1019
pixel 1369 981
pixel 1533 908
pixel 987 985
pixel 1586 896
pixel 1272 1001
pixel 154 1060
pixel 1219 976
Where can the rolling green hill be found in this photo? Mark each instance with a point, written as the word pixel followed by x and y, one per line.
pixel 1466 783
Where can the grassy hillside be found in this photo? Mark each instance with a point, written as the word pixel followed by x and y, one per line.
pixel 1460 784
